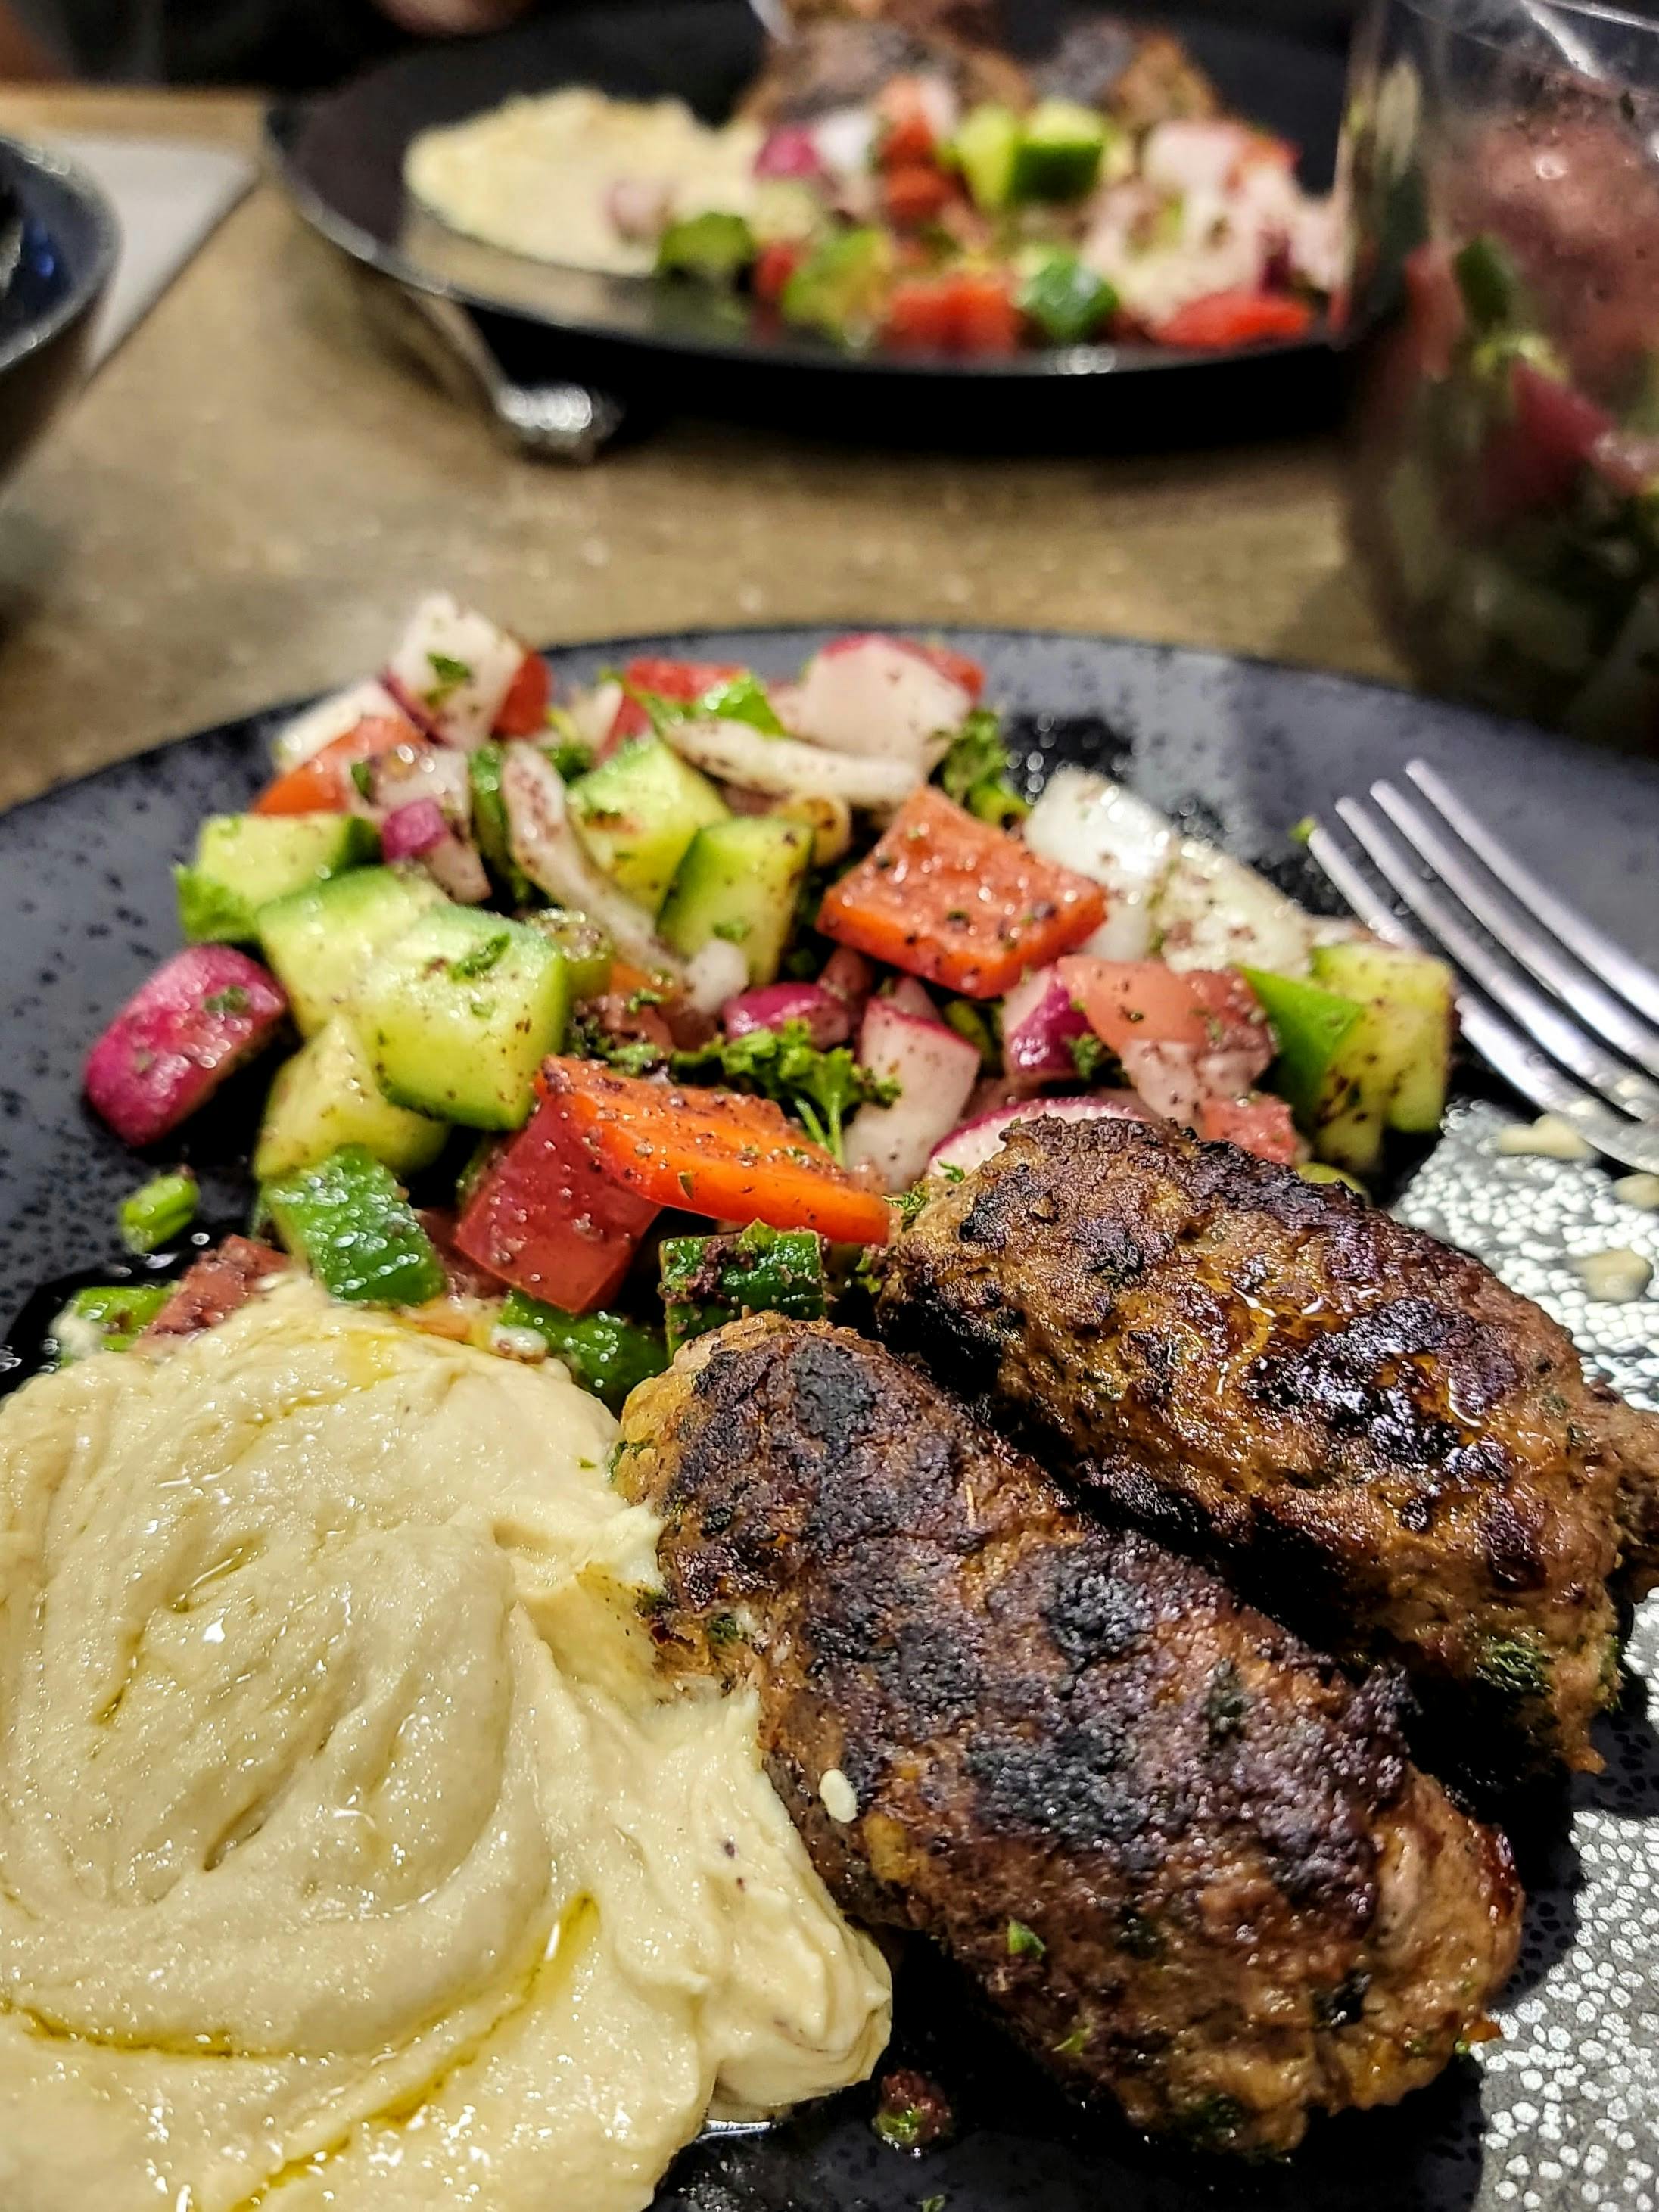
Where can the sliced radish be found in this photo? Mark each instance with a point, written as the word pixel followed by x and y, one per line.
pixel 911 997
pixel 935 1070
pixel 436 772
pixel 849 977
pixel 827 1017
pixel 972 1146
pixel 877 699
pixel 454 668
pixel 790 151
pixel 197 1019
pixel 1040 1024
pixel 412 829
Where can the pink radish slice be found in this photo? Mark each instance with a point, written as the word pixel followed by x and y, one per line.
pixel 827 1018
pixel 413 829
pixel 791 151
pixel 972 1146
pixel 454 866
pixel 878 698
pixel 1039 1023
pixel 197 1019
pixel 849 976
pixel 935 1070
pixel 911 997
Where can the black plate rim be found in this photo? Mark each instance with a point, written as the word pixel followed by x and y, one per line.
pixel 284 122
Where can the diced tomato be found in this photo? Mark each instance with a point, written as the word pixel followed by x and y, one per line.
pixel 734 1158
pixel 986 319
pixel 1221 319
pixel 774 265
pixel 1136 1002
pixel 681 680
pixel 955 667
pixel 323 784
pixel 524 710
pixel 950 899
pixel 904 127
pixel 544 1217
pixel 1259 1124
pixel 966 312
pixel 1534 457
pixel 915 194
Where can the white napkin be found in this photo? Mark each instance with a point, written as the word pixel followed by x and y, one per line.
pixel 170 195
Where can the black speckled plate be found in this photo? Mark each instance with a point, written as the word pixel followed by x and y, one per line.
pixel 1564 2112
pixel 340 157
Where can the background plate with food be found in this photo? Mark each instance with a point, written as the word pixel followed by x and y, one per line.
pixel 878 226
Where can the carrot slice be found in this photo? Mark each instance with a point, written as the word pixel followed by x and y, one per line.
pixel 712 1151
pixel 954 900
pixel 323 784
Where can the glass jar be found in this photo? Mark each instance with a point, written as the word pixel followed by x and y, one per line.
pixel 1501 169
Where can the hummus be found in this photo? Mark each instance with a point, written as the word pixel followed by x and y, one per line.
pixel 535 176
pixel 352 1851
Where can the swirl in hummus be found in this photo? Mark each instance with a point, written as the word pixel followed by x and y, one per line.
pixel 352 1853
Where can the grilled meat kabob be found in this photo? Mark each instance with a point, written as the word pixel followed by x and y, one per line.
pixel 1366 1430
pixel 1186 1859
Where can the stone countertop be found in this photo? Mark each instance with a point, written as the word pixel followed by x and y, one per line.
pixel 244 502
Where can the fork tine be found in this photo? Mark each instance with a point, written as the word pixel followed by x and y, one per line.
pixel 1600 953
pixel 1540 1017
pixel 1560 971
pixel 1499 1043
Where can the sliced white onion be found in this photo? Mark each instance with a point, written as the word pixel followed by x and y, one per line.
pixel 714 975
pixel 880 702
pixel 593 712
pixel 1089 823
pixel 546 847
pixel 783 768
pixel 303 738
pixel 457 666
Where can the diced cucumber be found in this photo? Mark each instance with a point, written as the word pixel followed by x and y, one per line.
pixel 1311 1025
pixel 1059 152
pixel 326 1096
pixel 458 1014
pixel 638 811
pixel 243 861
pixel 1067 300
pixel 840 289
pixel 739 881
pixel 985 149
pixel 715 245
pixel 605 1352
pixel 489 825
pixel 1392 1069
pixel 354 1229
pixel 320 942
pixel 587 949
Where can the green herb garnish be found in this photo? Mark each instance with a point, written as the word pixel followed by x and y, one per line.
pixel 978 773
pixel 819 1088
pixel 1024 1942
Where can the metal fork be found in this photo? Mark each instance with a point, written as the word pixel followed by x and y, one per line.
pixel 1561 1011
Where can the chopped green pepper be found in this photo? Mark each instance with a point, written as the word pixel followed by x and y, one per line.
pixel 1311 1025
pixel 606 1353
pixel 350 1223
pixel 159 1211
pixel 1067 300
pixel 106 1318
pixel 714 245
pixel 708 1281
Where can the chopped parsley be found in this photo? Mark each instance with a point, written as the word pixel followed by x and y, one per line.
pixel 1514 1667
pixel 362 779
pixel 909 1203
pixel 901 2129
pixel 978 773
pixel 819 1088
pixel 1024 1942
pixel 1089 1054
pixel 1074 2045
pixel 482 958
pixel 233 999
pixel 570 758
pixel 448 671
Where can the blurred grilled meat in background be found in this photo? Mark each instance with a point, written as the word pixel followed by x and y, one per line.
pixel 1186 1859
pixel 1376 1439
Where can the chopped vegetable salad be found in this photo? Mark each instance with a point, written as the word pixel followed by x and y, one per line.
pixel 595 1019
